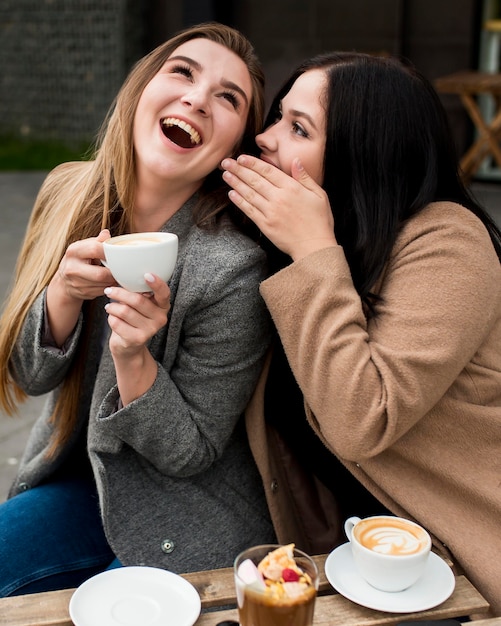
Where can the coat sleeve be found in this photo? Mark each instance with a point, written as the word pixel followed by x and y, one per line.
pixel 367 384
pixel 37 366
pixel 181 426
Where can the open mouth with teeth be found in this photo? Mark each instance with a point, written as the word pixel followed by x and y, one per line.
pixel 180 133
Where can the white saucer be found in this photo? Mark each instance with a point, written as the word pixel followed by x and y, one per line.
pixel 434 587
pixel 129 596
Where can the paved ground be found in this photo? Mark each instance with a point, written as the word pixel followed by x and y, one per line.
pixel 17 192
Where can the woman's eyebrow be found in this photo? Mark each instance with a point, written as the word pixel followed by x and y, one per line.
pixel 187 60
pixel 296 113
pixel 227 84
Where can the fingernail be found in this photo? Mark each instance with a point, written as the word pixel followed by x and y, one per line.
pixel 225 163
pixel 149 278
pixel 108 291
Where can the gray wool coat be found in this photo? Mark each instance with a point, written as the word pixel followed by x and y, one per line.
pixel 177 484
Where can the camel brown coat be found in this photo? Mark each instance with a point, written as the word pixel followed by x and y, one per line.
pixel 409 401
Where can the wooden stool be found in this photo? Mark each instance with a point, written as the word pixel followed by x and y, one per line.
pixel 468 85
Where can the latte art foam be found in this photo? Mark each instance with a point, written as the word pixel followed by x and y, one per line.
pixel 391 538
pixel 134 241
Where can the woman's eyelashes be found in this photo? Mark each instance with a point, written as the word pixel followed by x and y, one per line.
pixel 298 129
pixel 185 70
pixel 232 98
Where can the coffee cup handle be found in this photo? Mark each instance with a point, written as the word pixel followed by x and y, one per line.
pixel 348 526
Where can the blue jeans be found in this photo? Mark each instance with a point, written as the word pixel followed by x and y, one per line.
pixel 51 537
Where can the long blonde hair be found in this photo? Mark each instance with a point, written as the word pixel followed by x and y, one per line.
pixel 77 200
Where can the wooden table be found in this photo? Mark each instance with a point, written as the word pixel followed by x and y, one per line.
pixel 216 589
pixel 468 86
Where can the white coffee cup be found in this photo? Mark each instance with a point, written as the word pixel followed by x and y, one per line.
pixel 130 257
pixel 389 552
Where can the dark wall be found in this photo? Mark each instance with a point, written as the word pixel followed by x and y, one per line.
pixel 62 61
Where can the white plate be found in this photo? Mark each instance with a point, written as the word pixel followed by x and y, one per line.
pixel 133 596
pixel 434 587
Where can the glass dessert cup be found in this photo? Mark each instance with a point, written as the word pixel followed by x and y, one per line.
pixel 275 586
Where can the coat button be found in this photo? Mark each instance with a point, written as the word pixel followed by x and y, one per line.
pixel 274 485
pixel 167 546
pixel 23 487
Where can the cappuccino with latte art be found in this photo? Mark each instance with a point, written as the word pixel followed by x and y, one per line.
pixel 391 536
pixel 389 552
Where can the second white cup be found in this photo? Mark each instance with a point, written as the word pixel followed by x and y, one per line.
pixel 390 553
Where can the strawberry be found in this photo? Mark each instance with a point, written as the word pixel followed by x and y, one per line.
pixel 289 575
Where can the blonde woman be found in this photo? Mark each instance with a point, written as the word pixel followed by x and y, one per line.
pixel 139 456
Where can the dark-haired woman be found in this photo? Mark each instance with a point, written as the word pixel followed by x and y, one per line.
pixel 388 310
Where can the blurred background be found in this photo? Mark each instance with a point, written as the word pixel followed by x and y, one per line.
pixel 63 61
